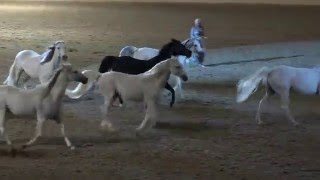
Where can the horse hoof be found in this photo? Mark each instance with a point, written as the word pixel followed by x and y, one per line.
pixel 296 124
pixel 108 128
pixel 23 147
pixel 72 148
pixel 260 123
pixel 13 152
pixel 138 133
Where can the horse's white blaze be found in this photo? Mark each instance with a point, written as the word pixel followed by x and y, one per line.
pixel 281 80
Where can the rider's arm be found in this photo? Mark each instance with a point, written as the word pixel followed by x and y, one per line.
pixel 192 33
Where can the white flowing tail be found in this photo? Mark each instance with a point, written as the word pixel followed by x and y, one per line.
pixel 249 85
pixel 178 87
pixel 12 75
pixel 81 89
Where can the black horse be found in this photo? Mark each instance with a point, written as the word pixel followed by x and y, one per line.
pixel 130 65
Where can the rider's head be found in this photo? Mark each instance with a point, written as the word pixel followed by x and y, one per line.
pixel 197 22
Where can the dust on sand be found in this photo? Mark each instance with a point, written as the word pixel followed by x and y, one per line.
pixel 209 137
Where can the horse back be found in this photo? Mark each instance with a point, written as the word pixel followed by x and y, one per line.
pixel 124 64
pixel 106 64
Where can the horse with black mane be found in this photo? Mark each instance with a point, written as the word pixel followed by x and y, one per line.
pixel 130 65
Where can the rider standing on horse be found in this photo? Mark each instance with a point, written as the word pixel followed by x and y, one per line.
pixel 196 35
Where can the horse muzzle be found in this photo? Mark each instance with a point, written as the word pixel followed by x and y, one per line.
pixel 188 54
pixel 65 57
pixel 184 77
pixel 84 80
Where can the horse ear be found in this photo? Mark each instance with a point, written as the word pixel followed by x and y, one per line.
pixel 174 40
pixel 51 47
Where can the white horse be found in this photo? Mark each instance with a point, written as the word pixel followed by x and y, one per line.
pixel 142 87
pixel 280 80
pixel 36 66
pixel 44 101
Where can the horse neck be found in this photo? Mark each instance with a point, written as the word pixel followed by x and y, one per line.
pixel 164 54
pixel 59 87
pixel 54 62
pixel 160 57
pixel 160 73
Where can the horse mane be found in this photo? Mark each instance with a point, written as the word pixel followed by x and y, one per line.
pixel 57 42
pixel 164 53
pixel 52 82
pixel 48 55
pixel 187 43
pixel 165 48
pixel 158 66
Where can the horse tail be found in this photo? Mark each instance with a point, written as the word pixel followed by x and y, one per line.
pixel 179 84
pixel 178 87
pixel 107 63
pixel 81 89
pixel 11 79
pixel 249 85
pixel 128 51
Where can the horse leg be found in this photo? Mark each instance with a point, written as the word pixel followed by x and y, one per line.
pixel 285 106
pixel 66 139
pixel 25 80
pixel 105 123
pixel 149 117
pixel 40 121
pixel 258 115
pixel 17 76
pixel 120 100
pixel 2 126
pixel 179 88
pixel 168 87
pixel 115 96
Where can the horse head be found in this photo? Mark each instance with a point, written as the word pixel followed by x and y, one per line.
pixel 174 48
pixel 57 47
pixel 73 75
pixel 178 49
pixel 61 48
pixel 176 68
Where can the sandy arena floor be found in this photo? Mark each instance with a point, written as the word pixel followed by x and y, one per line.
pixel 204 136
